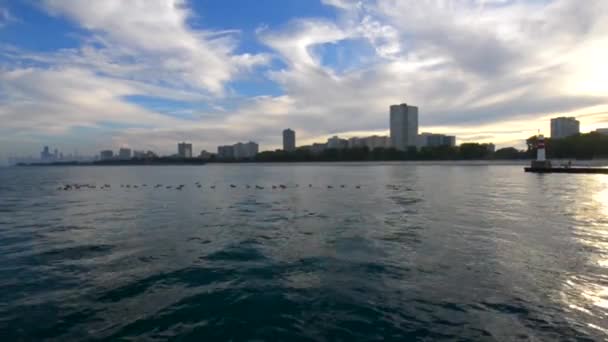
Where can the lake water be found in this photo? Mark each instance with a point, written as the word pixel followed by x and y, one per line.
pixel 418 251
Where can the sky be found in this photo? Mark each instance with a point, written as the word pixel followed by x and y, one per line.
pixel 146 74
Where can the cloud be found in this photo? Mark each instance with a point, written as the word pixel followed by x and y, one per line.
pixel 156 38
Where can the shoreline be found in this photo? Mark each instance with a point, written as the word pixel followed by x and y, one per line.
pixel 472 162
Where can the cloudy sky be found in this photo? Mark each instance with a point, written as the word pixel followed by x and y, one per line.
pixel 146 74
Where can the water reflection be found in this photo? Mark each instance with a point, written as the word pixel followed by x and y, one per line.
pixel 587 290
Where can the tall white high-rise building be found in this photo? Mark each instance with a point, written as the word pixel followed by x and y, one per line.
pixel 564 127
pixel 404 126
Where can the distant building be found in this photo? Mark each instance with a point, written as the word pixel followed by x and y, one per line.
pixel 139 154
pixel 433 140
pixel 106 155
pixel 490 147
pixel 371 142
pixel 205 155
pixel 45 155
pixel 184 150
pixel 289 140
pixel 404 126
pixel 318 148
pixel 337 143
pixel 124 154
pixel 238 151
pixel 602 131
pixel 245 150
pixel 564 127
pixel 225 152
pixel 150 155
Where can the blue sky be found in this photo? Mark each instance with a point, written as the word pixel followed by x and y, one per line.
pixel 146 74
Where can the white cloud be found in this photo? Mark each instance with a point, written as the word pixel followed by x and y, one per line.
pixel 156 38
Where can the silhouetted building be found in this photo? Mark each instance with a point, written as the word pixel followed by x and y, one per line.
pixel 225 152
pixel 404 126
pixel 602 131
pixel 184 150
pixel 289 140
pixel 106 155
pixel 45 155
pixel 564 127
pixel 139 154
pixel 124 154
pixel 245 150
pixel 433 140
pixel 205 155
pixel 336 142
pixel 371 142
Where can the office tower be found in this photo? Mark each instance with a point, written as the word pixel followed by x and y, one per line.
pixel 289 140
pixel 404 126
pixel 564 127
pixel 124 154
pixel 184 150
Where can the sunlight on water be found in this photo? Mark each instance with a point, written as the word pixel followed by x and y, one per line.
pixel 583 293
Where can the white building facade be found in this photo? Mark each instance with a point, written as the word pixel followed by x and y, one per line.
pixel 404 126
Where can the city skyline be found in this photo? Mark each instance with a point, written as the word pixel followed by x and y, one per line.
pixel 92 77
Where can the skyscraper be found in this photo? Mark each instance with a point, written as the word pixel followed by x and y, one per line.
pixel 289 140
pixel 564 127
pixel 184 150
pixel 404 126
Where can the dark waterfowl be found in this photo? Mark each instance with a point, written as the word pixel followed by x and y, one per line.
pixel 343 186
pixel 259 187
pixel 310 185
pixel 283 186
pixel 358 187
pixel 330 187
pixel 232 186
pixel 274 186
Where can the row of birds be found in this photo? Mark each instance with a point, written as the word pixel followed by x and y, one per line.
pixel 179 187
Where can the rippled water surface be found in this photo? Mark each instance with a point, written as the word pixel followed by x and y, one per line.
pixel 431 252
